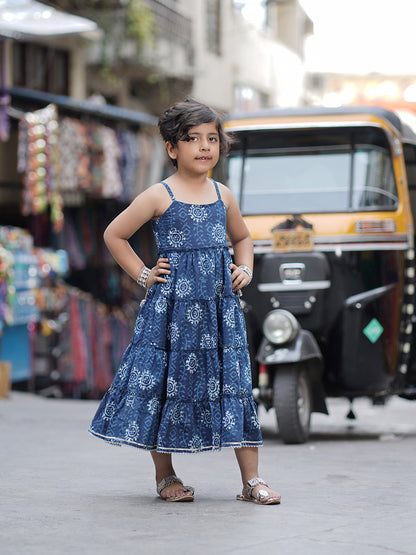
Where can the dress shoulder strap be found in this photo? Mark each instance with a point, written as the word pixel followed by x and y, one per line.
pixel 217 188
pixel 168 190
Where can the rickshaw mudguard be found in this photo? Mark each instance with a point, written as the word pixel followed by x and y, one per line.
pixel 303 347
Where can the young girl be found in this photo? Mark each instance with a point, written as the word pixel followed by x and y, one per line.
pixel 184 383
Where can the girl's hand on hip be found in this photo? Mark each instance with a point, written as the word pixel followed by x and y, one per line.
pixel 158 272
pixel 239 278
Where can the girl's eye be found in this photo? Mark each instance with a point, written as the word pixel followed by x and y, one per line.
pixel 213 139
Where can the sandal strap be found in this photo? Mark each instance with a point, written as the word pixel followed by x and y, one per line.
pixel 251 484
pixel 168 481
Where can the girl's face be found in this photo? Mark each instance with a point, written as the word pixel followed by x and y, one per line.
pixel 199 154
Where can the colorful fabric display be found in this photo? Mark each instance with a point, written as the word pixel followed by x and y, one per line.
pixel 22 269
pixel 68 159
pixel 90 345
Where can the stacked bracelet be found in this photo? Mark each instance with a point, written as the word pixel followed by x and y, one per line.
pixel 247 270
pixel 143 277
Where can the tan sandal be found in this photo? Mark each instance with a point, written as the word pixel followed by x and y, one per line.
pixel 262 497
pixel 188 491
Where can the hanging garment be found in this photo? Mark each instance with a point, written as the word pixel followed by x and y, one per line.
pixel 112 186
pixel 128 163
pixel 72 145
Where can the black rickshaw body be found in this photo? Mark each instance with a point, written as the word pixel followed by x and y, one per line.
pixel 327 197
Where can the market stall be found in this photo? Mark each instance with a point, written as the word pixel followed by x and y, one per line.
pixel 66 169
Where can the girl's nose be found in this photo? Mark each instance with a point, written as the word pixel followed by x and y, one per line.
pixel 204 144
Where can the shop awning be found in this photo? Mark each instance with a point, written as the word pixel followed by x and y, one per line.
pixel 21 18
pixel 28 99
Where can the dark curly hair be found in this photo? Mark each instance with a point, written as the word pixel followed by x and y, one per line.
pixel 176 121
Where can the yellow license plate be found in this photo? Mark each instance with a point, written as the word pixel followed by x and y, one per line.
pixel 292 240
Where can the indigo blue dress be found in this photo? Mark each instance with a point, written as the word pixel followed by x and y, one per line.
pixel 184 383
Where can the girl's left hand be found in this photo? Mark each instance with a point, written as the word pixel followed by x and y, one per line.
pixel 239 278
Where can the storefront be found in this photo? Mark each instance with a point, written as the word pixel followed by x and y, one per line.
pixel 66 169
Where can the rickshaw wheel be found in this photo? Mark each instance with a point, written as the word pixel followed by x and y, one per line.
pixel 292 399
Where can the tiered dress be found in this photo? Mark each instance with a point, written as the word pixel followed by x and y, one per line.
pixel 184 383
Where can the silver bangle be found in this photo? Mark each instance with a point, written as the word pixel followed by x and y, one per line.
pixel 247 270
pixel 143 277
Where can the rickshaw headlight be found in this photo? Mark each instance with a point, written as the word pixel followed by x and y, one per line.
pixel 280 326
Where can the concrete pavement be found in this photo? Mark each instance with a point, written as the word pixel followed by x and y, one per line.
pixel 351 489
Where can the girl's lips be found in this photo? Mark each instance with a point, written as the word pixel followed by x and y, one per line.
pixel 204 158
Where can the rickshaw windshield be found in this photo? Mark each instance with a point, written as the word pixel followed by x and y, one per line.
pixel 342 170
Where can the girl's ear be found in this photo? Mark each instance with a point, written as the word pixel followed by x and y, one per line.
pixel 171 149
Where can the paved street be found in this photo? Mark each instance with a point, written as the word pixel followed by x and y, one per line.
pixel 351 489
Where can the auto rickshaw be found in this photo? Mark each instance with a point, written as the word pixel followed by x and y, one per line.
pixel 329 197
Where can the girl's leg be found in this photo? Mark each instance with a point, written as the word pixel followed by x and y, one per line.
pixel 164 468
pixel 248 461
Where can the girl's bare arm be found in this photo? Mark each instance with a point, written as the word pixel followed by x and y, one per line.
pixel 143 208
pixel 240 240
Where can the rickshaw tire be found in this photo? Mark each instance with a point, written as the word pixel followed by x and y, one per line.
pixel 292 400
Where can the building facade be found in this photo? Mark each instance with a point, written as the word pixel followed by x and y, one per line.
pixel 215 50
pixel 395 92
